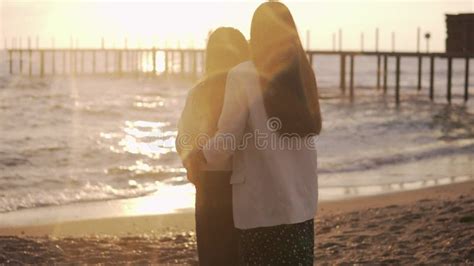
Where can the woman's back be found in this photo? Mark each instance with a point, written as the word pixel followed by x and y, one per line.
pixel 275 176
pixel 268 123
pixel 217 238
pixel 199 118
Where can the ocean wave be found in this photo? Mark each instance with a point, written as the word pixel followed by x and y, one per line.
pixel 23 83
pixel 143 171
pixel 118 135
pixel 90 192
pixel 373 163
pixel 14 162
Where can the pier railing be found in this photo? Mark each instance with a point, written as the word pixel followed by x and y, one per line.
pixel 159 62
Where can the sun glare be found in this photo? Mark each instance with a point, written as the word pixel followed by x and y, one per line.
pixel 168 199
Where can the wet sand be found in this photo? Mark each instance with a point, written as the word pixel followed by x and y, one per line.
pixel 433 225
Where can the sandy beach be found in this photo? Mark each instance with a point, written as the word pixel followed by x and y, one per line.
pixel 340 102
pixel 432 225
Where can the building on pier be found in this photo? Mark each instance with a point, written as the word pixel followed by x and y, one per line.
pixel 460 33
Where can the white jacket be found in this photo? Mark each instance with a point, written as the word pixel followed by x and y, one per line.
pixel 274 183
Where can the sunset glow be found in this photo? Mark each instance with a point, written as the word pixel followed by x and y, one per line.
pixel 236 132
pixel 169 24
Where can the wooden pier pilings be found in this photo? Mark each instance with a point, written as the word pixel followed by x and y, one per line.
pixel 450 74
pixel 378 72
pixel 420 68
pixel 397 79
pixel 398 57
pixel 153 61
pixel 466 79
pixel 385 73
pixel 432 64
pixel 343 73
pixel 157 62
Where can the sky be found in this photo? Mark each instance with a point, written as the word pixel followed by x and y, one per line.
pixel 185 24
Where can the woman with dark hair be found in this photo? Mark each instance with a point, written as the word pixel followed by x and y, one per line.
pixel 269 124
pixel 217 238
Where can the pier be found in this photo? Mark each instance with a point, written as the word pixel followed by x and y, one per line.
pixel 110 61
pixel 398 56
pixel 188 63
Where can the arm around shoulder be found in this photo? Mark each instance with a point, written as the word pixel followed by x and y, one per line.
pixel 232 121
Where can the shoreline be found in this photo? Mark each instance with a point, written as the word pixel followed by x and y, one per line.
pixel 429 226
pixel 170 201
pixel 183 221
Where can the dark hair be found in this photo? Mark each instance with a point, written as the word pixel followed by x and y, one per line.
pixel 288 81
pixel 226 48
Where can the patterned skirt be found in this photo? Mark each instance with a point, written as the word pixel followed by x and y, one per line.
pixel 289 244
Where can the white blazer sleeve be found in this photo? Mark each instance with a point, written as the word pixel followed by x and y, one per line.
pixel 231 125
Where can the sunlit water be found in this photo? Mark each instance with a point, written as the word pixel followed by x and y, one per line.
pixel 65 140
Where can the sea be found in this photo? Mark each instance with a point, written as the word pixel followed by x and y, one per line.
pixel 68 140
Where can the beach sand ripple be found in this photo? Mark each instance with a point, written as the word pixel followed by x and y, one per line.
pixel 430 231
